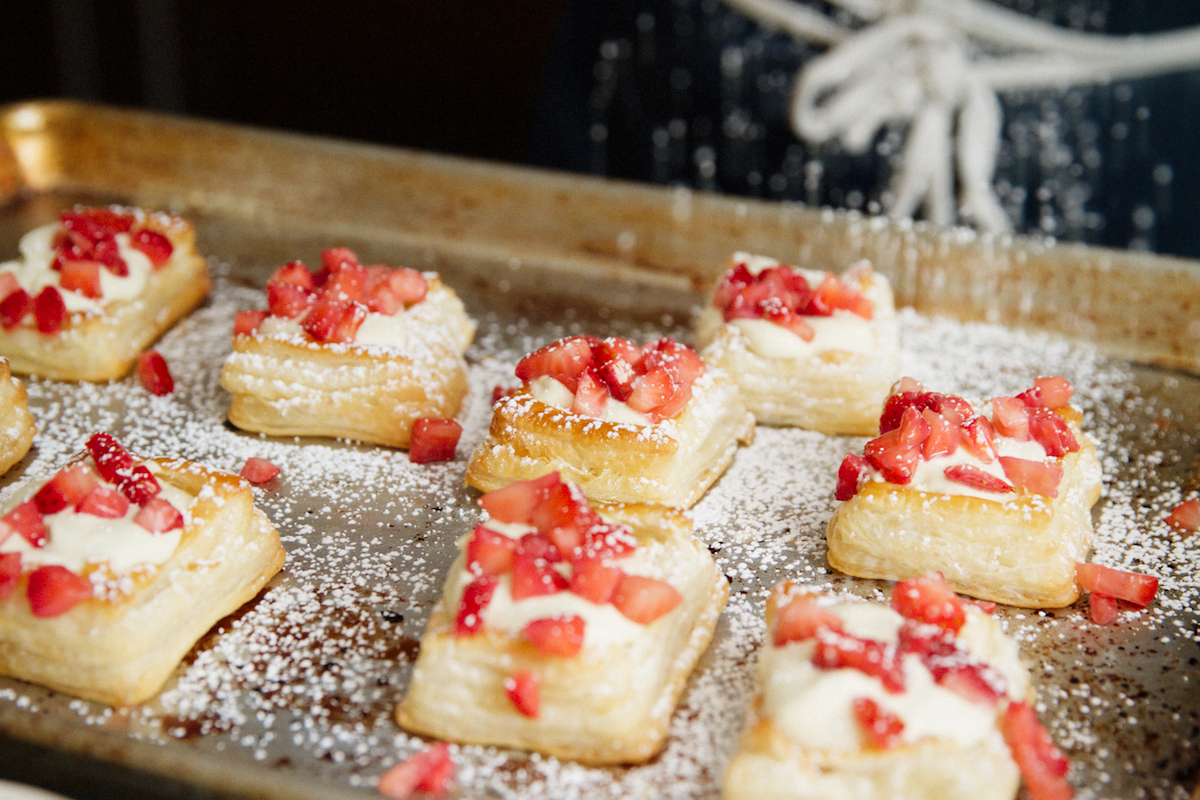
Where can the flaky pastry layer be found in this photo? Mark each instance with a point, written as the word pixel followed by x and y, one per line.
pixel 16 423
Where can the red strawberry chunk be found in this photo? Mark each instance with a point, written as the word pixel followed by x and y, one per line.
pixel 489 552
pixel 332 319
pixel 684 363
pixel 158 516
pixel 54 590
pixel 591 395
pixel 433 439
pixel 96 223
pixel 13 308
pixel 258 470
pixel 245 323
pixel 139 485
pixel 896 462
pixel 49 311
pixel 523 689
pixel 1051 432
pixel 10 572
pixel 335 258
pixel 111 458
pixel 502 392
pixel 107 252
pixel 534 577
pixel 1043 766
pixel 539 547
pixel 1056 390
pixel 980 438
pixel 65 490
pixel 154 374
pixel 618 376
pixel 26 520
pixel 617 349
pixel 104 501
pixel 390 290
pixel 80 276
pixel 1102 608
pixel 1032 398
pixel 1186 515
pixel 834 293
pixel 154 245
pixel 430 772
pixel 564 360
pixel 882 728
pixel 976 478
pixel 877 659
pixel 295 273
pixel 516 501
pixel 801 619
pixel 913 429
pixel 8 284
pixel 1010 418
pixel 564 516
pixel 944 435
pixel 556 636
pixel 853 473
pixel 644 599
pixel 476 596
pixel 1128 586
pixel 605 540
pixel 289 300
pixel 347 283
pixel 930 600
pixel 594 578
pixel 902 398
pixel 1033 477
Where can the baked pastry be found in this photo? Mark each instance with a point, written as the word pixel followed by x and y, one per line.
pixel 629 424
pixel 112 569
pixel 998 502
pixel 807 348
pixel 923 700
pixel 16 423
pixel 354 352
pixel 94 289
pixel 563 629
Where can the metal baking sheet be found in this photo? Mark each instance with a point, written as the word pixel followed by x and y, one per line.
pixel 292 697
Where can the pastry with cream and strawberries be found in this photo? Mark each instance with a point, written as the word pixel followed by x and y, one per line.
pixel 807 348
pixel 16 423
pixel 922 699
pixel 348 351
pixel 996 496
pixel 92 290
pixel 628 423
pixel 565 627
pixel 112 569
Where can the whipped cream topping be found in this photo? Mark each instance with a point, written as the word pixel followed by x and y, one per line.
pixel 553 393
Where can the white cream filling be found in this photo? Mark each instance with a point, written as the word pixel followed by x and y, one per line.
pixel 552 392
pixel 385 330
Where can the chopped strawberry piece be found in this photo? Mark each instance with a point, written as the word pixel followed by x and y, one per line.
pixel 1186 515
pixel 154 245
pixel 1043 766
pixel 591 395
pixel 431 772
pixel 733 281
pixel 49 311
pixel 1033 477
pixel 564 517
pixel 13 308
pixel 617 349
pixel 1010 418
pixel 154 374
pixel 972 681
pixel 54 590
pixel 672 406
pixel 684 363
pixel 980 438
pixel 139 485
pixel 801 618
pixel 245 323
pixel 834 293
pixel 792 322
pixel 332 319
pixel 104 501
pixel 1103 609
pixel 393 289
pixel 594 578
pixel 475 598
pixel 944 435
pixel 108 253
pixel 65 490
pixel 158 516
pixel 81 276
pixel 289 300
pixel 1128 586
pixel 10 572
pixel 433 439
pixel 110 456
pixel 523 689
pixel 295 273
pixel 976 478
pixel 335 258
pixel 643 599
pixel 1032 398
pixel 853 473
pixel 902 398
pixel 538 546
pixel 501 393
pixel 347 283
pixel 8 284
pixel 605 540
pixel 1056 391
pixel 930 600
pixel 618 377
pixel 534 577
pixel 516 501
pixel 1051 431
pixel 96 223
pixel 26 520
pixel 489 552
pixel 564 360
pixel 883 729
pixel 258 470
pixel 913 429
pixel 840 650
pixel 556 636
pixel 897 463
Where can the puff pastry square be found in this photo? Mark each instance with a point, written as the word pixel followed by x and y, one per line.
pixel 806 348
pixel 123 278
pixel 667 454
pixel 16 423
pixel 291 374
pixel 105 609
pixel 605 696
pixel 1004 514
pixel 931 718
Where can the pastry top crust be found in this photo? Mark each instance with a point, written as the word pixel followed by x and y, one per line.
pixel 16 423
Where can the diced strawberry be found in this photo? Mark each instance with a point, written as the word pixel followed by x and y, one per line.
pixel 1033 477
pixel 902 398
pixel 1186 515
pixel 833 293
pixel 295 273
pixel 930 600
pixel 643 599
pixel 8 284
pixel 556 636
pixel 516 501
pixel 245 323
pixel 594 578
pixel 108 253
pixel 1103 609
pixel 6 530
pixel 897 463
pixel 792 322
pixel 104 501
pixel 27 521
pixel 971 680
pixel 258 470
pixel 1128 586
pixel 913 429
pixel 330 319
pixel 289 300
pixel 539 547
pixel 433 439
pixel 158 248
pixel 1056 390
pixel 502 392
pixel 154 374
pixel 684 363
pixel 1051 432
pixel 976 478
pixel 733 281
pixel 1010 418
pixel 430 772
pixel 655 389
pixel 840 650
pixel 476 596
pixel 139 485
pixel 672 406
pixel 1032 398
pixel 883 729
pixel 13 308
pixel 394 289
pixel 65 490
pixel 110 456
pixel 591 395
pixel 564 517
pixel 158 516
pixel 81 276
pixel 535 577
pixel 618 376
pixel 1043 766
pixel 523 689
pixel 53 590
pixel 564 360
pixel 980 438
pixel 49 311
pixel 10 572
pixel 853 472
pixel 347 283
pixel 617 348
pixel 489 552
pixel 96 222
pixel 944 435
pixel 801 618
pixel 335 258
pixel 606 540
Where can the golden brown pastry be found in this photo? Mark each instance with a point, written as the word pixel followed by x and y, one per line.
pixel 806 348
pixel 564 630
pixel 351 352
pixel 93 290
pixel 112 569
pixel 16 423
pixel 631 424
